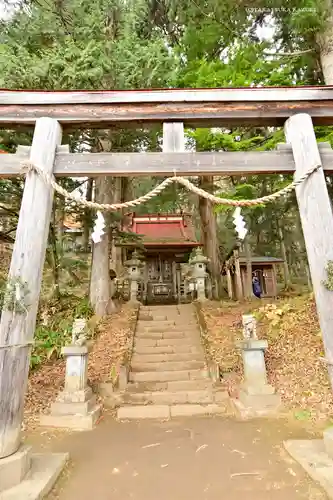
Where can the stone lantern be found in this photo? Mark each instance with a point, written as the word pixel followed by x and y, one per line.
pixel 199 273
pixel 134 266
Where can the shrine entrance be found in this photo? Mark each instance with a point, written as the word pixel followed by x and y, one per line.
pixel 161 285
pixel 298 109
pixel 167 242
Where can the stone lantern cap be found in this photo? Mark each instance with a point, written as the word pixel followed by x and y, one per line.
pixel 199 257
pixel 134 261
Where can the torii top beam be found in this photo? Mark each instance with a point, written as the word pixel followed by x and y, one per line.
pixel 195 107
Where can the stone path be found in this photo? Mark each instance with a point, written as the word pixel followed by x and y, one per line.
pixel 197 458
pixel 168 376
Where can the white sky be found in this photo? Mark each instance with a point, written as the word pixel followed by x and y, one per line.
pixel 265 33
pixel 5 9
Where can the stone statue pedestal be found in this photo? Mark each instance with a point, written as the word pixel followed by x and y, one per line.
pixel 256 397
pixel 75 407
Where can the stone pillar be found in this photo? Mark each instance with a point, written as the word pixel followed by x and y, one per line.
pixel 328 441
pixel 15 468
pixel 134 266
pixel 75 407
pixel 198 263
pixel 256 395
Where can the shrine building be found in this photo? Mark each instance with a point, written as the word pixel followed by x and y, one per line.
pixel 167 241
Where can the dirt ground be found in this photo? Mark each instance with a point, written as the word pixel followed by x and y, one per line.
pixel 193 458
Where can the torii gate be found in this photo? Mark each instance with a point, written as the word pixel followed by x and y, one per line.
pixel 49 112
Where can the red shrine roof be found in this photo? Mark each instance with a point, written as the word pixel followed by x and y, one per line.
pixel 164 230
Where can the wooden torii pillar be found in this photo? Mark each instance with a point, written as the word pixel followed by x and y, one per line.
pixel 17 330
pixel 317 221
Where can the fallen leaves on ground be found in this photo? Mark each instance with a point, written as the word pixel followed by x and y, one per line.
pixel 112 341
pixel 294 356
pixel 294 361
pixel 43 387
pixel 223 330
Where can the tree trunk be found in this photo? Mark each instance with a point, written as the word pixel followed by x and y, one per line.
pixel 229 282
pixel 116 252
pixel 100 279
pixel 209 237
pixel 287 280
pixel 308 275
pixel 302 251
pixel 248 291
pixel 325 42
pixel 127 195
pixel 59 219
pixel 55 261
pixel 86 224
pixel 238 276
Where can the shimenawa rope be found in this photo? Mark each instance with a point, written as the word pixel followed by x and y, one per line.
pixel 11 346
pixel 27 166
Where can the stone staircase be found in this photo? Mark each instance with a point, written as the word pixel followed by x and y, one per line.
pixel 168 375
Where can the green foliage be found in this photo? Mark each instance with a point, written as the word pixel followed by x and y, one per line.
pixel 54 327
pixel 2 289
pixel 329 282
pixel 99 47
pixel 303 415
pixel 15 295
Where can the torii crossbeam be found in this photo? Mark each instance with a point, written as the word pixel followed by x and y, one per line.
pixel 194 107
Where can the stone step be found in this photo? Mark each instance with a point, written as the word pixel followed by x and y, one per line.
pixel 170 398
pixel 166 357
pixel 144 319
pixel 148 316
pixel 166 349
pixel 138 412
pixel 167 324
pixel 165 320
pixel 170 334
pixel 174 329
pixel 196 409
pixel 166 366
pixel 168 376
pixel 157 324
pixel 171 386
pixel 165 411
pixel 189 385
pixel 139 342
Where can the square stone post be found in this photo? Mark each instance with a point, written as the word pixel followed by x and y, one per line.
pixel 75 407
pixel 256 397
